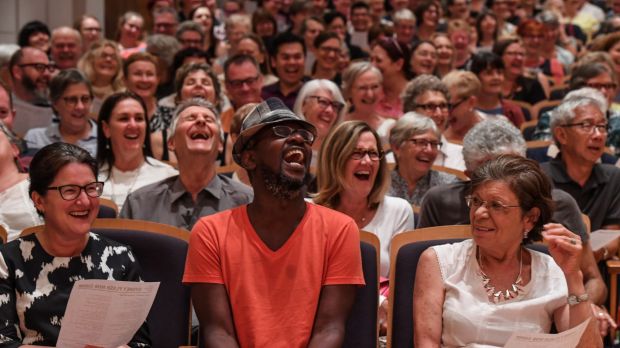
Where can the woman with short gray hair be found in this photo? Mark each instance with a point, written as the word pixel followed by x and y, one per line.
pixel 320 103
pixel 415 142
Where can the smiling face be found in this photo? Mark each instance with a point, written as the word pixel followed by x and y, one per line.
pixel 417 158
pixel 424 59
pixel 513 58
pixel 445 50
pixel 73 107
pixel 322 117
pixel 288 63
pixel 126 127
pixel 8 151
pixel 131 31
pixel 434 105
pixel 197 133
pixel 605 84
pixel 66 50
pixel 72 218
pixel 491 81
pixel 203 17
pixel 405 31
pixel 578 144
pixel 366 92
pixel 614 51
pixel 360 174
pixel 106 63
pixel 381 60
pixel 198 84
pixel 502 229
pixel 39 40
pixel 90 29
pixel 7 113
pixel 243 84
pixel 142 79
pixel 430 17
pixel 328 53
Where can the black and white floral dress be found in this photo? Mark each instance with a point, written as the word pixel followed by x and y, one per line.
pixel 35 286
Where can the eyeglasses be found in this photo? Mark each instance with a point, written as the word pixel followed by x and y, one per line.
pixel 239 83
pixel 423 143
pixel 92 29
pixel 71 192
pixel 188 42
pixel 286 131
pixel 515 54
pixel 474 202
pixel 457 104
pixel 328 50
pixel 430 107
pixel 324 103
pixel 374 155
pixel 600 86
pixel 73 101
pixel 40 67
pixel 588 127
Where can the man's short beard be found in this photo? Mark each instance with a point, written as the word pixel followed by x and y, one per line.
pixel 283 186
pixel 31 87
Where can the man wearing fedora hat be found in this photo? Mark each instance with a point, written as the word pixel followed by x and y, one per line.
pixel 279 271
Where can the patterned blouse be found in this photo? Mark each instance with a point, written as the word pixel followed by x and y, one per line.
pixel 35 286
pixel 162 118
pixel 400 189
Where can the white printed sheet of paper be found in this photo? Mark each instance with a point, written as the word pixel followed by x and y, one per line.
pixel 105 313
pixel 600 238
pixel 567 339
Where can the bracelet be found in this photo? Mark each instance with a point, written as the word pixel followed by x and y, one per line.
pixel 577 299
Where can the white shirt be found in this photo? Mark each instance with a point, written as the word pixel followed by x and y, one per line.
pixel 471 320
pixel 394 215
pixel 450 155
pixel 17 210
pixel 119 184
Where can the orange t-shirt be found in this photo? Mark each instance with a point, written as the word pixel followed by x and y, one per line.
pixel 274 295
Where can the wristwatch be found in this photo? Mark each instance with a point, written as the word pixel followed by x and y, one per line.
pixel 574 299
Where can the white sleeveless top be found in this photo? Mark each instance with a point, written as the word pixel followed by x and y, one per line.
pixel 470 320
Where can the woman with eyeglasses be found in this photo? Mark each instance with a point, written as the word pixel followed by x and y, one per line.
pixel 124 152
pixel 493 277
pixel 415 141
pixel 363 89
pixel 320 103
pixel 71 96
pixel 16 209
pixel 352 177
pixel 129 34
pixel 532 33
pixel 39 270
pixel 102 66
pixel 391 58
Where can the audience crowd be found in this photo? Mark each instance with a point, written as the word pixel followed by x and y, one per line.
pixel 272 131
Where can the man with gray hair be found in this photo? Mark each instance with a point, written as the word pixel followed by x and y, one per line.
pixel 191 34
pixel 445 205
pixel 580 130
pixel 165 21
pixel 196 139
pixel 66 47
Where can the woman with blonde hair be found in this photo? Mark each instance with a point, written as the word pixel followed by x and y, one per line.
pixel 102 66
pixel 353 178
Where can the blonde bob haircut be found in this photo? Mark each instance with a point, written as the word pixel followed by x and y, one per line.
pixel 462 84
pixel 86 64
pixel 333 157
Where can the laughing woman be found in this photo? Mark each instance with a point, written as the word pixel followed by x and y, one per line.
pixel 39 270
pixel 125 148
pixel 71 96
pixel 352 177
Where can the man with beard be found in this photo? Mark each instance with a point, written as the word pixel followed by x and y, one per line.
pixel 279 271
pixel 31 72
pixel 180 200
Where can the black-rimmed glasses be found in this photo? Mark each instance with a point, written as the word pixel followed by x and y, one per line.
pixel 374 155
pixel 71 192
pixel 324 103
pixel 40 67
pixel 286 131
